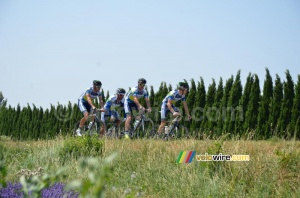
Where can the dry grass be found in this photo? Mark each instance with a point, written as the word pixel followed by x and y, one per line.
pixel 148 167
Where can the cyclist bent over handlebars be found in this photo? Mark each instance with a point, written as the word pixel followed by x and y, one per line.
pixel 86 105
pixel 132 102
pixel 168 104
pixel 111 106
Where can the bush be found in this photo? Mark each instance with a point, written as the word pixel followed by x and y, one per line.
pixel 81 147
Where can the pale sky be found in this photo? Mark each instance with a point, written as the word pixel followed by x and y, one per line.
pixel 51 51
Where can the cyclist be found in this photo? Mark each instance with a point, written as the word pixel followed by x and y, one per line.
pixel 132 102
pixel 112 105
pixel 86 104
pixel 169 101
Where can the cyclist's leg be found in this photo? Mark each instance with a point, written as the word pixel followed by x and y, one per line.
pixel 163 114
pixel 128 113
pixel 103 127
pixel 117 117
pixel 84 108
pixel 129 107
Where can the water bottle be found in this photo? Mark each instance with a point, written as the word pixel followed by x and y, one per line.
pixel 90 125
pixel 166 130
pixel 136 123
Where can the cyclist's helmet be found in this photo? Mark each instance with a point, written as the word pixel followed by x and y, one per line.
pixel 97 83
pixel 183 85
pixel 142 80
pixel 121 91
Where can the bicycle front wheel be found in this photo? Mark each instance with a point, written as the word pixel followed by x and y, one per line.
pixel 179 132
pixel 149 130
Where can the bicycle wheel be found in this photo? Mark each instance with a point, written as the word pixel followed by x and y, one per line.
pixel 137 131
pixel 121 129
pixel 149 131
pixel 76 126
pixel 94 129
pixel 177 132
pixel 181 132
pixel 84 129
pixel 111 132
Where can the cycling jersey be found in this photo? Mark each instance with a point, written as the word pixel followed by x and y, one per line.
pixel 112 103
pixel 90 91
pixel 174 97
pixel 135 92
pixel 129 103
pixel 112 107
pixel 82 100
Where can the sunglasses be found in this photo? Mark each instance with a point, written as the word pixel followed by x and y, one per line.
pixel 141 84
pixel 121 94
pixel 97 87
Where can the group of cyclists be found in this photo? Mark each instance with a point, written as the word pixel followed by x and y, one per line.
pixel 130 101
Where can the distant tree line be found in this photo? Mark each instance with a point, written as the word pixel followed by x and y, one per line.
pixel 243 111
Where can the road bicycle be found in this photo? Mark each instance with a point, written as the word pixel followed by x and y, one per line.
pixel 113 130
pixel 142 127
pixel 91 126
pixel 175 130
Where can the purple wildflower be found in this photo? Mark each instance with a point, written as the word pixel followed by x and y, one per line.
pixel 13 190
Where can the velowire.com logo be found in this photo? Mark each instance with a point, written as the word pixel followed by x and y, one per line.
pixel 188 156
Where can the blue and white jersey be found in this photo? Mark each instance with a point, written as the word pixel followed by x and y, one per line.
pixel 135 92
pixel 174 96
pixel 112 103
pixel 90 91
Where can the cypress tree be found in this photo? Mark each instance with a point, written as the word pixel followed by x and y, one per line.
pixel 276 106
pixel 295 123
pixel 216 111
pixel 1 98
pixel 170 88
pixel 15 123
pixel 223 107
pixel 3 114
pixel 252 109
pixel 151 96
pixel 190 101
pixel 233 103
pixel 103 98
pixel 107 96
pixel 40 131
pixel 29 131
pixel 161 93
pixel 197 111
pixel 210 97
pixel 263 127
pixel 287 105
pixel 244 101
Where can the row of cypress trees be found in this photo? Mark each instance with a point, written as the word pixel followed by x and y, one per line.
pixel 241 110
pixel 230 107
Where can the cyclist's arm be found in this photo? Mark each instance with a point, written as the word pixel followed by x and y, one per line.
pixel 169 105
pixel 136 101
pixel 186 109
pixel 90 101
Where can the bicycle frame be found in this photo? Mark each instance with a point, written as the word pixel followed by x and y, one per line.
pixel 94 128
pixel 141 125
pixel 113 131
pixel 174 129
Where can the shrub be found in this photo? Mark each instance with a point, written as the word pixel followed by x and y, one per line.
pixel 81 147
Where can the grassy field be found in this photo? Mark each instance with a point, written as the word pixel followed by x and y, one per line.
pixel 147 168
